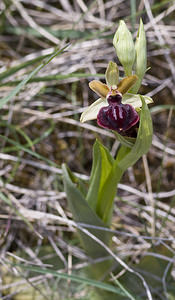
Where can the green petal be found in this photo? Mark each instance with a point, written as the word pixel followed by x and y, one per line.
pixel 91 111
pixel 135 100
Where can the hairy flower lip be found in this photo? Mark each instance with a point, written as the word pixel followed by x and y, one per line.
pixel 118 117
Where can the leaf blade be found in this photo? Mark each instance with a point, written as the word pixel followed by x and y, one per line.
pixel 82 213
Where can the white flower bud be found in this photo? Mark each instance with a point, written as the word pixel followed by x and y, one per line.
pixel 124 45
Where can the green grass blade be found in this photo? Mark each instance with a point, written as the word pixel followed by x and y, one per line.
pixel 21 66
pixel 54 77
pixel 75 278
pixel 29 143
pixel 159 108
pixel 7 200
pixel 133 13
pixel 16 90
pixel 34 154
pixel 127 294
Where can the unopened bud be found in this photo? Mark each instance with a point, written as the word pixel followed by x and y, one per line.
pixel 141 57
pixel 124 45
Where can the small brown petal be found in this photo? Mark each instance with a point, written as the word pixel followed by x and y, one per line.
pixel 126 83
pixel 99 88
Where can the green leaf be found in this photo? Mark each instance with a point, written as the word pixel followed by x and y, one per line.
pixel 153 266
pixel 82 213
pixel 107 195
pixel 126 141
pixel 102 164
pixel 94 182
pixel 143 141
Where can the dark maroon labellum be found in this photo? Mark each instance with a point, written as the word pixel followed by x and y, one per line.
pixel 117 116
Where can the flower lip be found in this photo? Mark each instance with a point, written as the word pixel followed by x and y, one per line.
pixel 118 117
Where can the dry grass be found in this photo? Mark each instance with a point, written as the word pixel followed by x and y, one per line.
pixel 42 130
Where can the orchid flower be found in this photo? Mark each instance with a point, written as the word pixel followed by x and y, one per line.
pixel 116 109
pixel 125 112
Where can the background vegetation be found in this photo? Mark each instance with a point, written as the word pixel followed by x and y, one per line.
pixel 54 48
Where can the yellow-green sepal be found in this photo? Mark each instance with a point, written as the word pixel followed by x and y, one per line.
pixel 112 75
